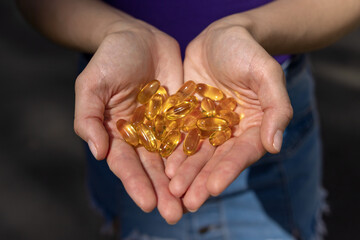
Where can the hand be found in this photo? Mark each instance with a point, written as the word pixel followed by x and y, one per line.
pixel 106 91
pixel 227 56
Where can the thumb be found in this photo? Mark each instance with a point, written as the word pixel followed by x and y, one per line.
pixel 277 108
pixel 89 116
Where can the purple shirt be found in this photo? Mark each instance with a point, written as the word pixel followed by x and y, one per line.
pixel 185 19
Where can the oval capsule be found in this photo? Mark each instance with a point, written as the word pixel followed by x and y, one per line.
pixel 138 115
pixel 162 91
pixel 213 93
pixel 148 91
pixel 186 90
pixel 128 132
pixel 170 102
pixel 212 124
pixel 188 123
pixel 147 137
pixel 180 110
pixel 154 106
pixel 191 142
pixel 169 143
pixel 219 137
pixel 227 104
pixel 208 107
pixel 231 117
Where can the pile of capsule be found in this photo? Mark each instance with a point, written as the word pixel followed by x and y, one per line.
pixel 159 122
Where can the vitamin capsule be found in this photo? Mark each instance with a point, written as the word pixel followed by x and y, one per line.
pixel 192 99
pixel 162 91
pixel 147 137
pixel 208 106
pixel 205 134
pixel 231 117
pixel 212 124
pixel 154 106
pixel 128 132
pixel 170 102
pixel 228 104
pixel 186 90
pixel 169 143
pixel 188 123
pixel 138 115
pixel 191 142
pixel 149 123
pixel 148 91
pixel 170 125
pixel 159 125
pixel 219 137
pixel 180 110
pixel 208 91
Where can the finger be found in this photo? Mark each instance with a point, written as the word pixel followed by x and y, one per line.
pixel 174 161
pixel 197 193
pixel 276 105
pixel 88 122
pixel 124 162
pixel 247 149
pixel 190 168
pixel 170 207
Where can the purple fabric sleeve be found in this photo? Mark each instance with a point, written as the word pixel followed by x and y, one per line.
pixel 185 19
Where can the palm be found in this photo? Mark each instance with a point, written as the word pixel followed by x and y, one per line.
pixel 109 86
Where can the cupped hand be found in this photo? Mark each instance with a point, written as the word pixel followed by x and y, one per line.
pixel 106 91
pixel 228 57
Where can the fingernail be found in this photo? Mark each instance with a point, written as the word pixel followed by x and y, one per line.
pixel 191 210
pixel 278 140
pixel 92 148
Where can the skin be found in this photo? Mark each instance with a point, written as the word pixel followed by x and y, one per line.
pixel 233 53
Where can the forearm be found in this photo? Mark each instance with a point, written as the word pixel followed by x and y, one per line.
pixel 296 26
pixel 80 24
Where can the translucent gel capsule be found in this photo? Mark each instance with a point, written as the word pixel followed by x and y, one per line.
pixel 219 137
pixel 169 143
pixel 170 102
pixel 228 104
pixel 192 99
pixel 170 125
pixel 191 142
pixel 149 123
pixel 147 137
pixel 180 110
pixel 154 106
pixel 148 91
pixel 231 117
pixel 138 115
pixel 208 106
pixel 205 134
pixel 213 93
pixel 159 125
pixel 212 124
pixel 186 90
pixel 188 123
pixel 162 91
pixel 128 132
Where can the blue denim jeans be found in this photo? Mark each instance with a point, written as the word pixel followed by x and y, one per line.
pixel 279 197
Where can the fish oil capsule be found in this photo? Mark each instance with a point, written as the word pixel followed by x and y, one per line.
pixel 186 90
pixel 208 106
pixel 128 132
pixel 231 117
pixel 180 110
pixel 149 123
pixel 148 91
pixel 162 91
pixel 170 102
pixel 159 125
pixel 138 115
pixel 228 104
pixel 169 143
pixel 188 123
pixel 191 142
pixel 147 137
pixel 205 134
pixel 170 125
pixel 212 124
pixel 154 106
pixel 219 137
pixel 213 93
pixel 192 99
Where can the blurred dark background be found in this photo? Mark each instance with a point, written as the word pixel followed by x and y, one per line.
pixel 42 188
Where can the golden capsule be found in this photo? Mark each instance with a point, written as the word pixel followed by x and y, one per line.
pixel 148 91
pixel 213 93
pixel 159 125
pixel 138 115
pixel 208 106
pixel 228 104
pixel 219 137
pixel 180 110
pixel 170 102
pixel 205 134
pixel 191 142
pixel 154 106
pixel 188 123
pixel 192 99
pixel 148 123
pixel 212 124
pixel 186 90
pixel 147 137
pixel 128 132
pixel 162 91
pixel 170 125
pixel 169 143
pixel 231 117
